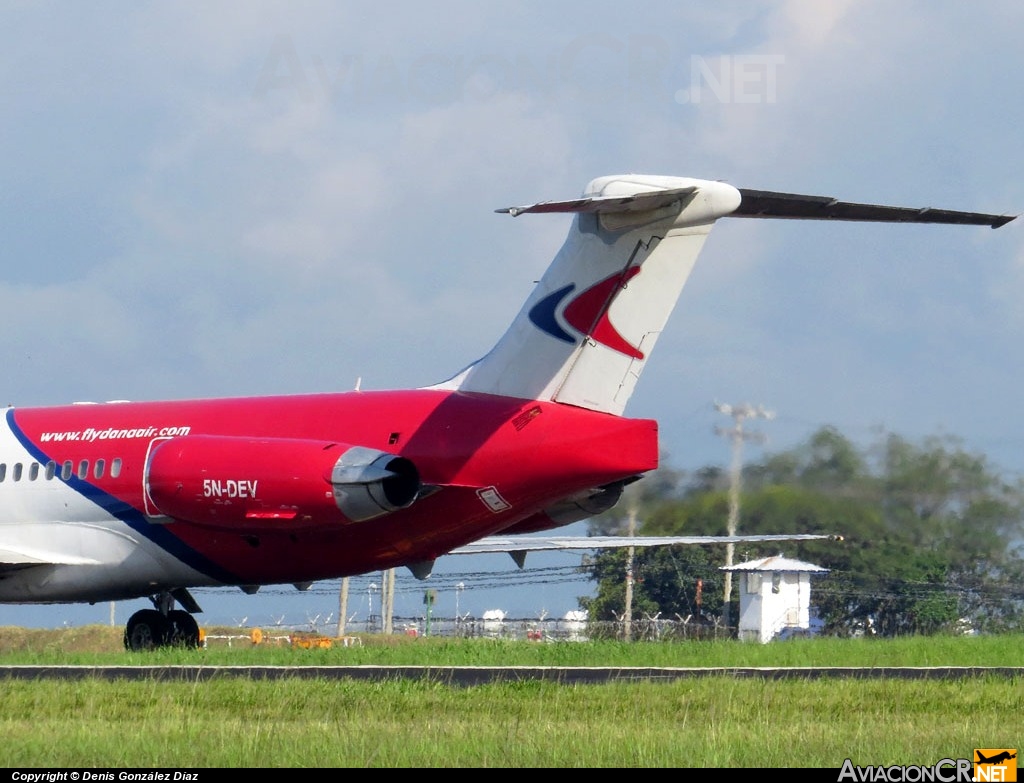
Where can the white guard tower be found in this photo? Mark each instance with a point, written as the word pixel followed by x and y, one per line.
pixel 775 593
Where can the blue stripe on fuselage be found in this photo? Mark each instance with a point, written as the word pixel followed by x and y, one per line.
pixel 128 514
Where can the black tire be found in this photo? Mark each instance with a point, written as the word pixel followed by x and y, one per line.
pixel 184 630
pixel 147 629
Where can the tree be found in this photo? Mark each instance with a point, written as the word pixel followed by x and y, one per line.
pixel 666 582
pixel 932 534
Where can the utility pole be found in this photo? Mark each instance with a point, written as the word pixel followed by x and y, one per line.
pixel 630 553
pixel 342 606
pixel 738 436
pixel 370 590
pixel 389 615
pixel 458 619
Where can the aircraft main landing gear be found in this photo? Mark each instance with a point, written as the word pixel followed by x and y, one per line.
pixel 150 629
pixel 184 630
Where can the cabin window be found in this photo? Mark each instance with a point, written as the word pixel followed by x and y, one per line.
pixel 753 583
pixel 97 470
pixel 776 582
pixel 17 471
pixel 83 469
pixel 115 467
pixel 66 470
pixel 33 471
pixel 3 470
pixel 51 470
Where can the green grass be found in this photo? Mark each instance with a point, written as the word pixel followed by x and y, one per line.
pixel 99 645
pixel 717 721
pixel 712 722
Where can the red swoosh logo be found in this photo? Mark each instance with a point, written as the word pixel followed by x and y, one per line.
pixel 588 313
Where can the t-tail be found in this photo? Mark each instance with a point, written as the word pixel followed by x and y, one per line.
pixel 588 330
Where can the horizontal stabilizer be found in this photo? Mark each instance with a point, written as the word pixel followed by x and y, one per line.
pixel 637 202
pixel 769 204
pixel 548 543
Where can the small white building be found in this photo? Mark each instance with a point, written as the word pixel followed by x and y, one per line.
pixel 775 593
pixel 574 625
pixel 494 621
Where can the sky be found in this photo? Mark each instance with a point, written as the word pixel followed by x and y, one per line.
pixel 222 199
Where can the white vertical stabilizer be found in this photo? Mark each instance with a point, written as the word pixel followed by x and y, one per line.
pixel 588 329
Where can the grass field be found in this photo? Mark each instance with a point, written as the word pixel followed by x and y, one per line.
pixel 711 722
pixel 100 644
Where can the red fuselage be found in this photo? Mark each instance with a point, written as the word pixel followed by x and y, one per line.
pixel 252 504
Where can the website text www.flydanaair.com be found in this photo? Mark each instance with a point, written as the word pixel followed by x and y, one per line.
pixel 89 435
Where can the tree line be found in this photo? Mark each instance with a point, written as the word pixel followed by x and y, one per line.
pixel 933 537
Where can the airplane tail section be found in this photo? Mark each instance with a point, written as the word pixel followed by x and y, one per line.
pixel 586 333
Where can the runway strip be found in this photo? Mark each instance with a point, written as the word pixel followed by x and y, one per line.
pixel 481 675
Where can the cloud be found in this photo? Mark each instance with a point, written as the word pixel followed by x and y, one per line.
pixel 263 178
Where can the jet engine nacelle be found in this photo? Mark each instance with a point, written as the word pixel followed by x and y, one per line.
pixel 565 512
pixel 275 482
